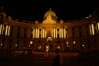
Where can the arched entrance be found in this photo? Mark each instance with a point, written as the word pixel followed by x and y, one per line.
pixel 48 46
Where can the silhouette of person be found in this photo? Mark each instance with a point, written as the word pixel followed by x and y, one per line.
pixel 56 61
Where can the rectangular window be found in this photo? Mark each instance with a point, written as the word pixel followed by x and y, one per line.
pixel 11 27
pixel 73 29
pixel 80 28
pixel 80 34
pixel 24 35
pixel 25 29
pixel 17 42
pixel 18 28
pixel 31 35
pixel 18 35
pixel 10 41
pixel 11 34
pixel 73 34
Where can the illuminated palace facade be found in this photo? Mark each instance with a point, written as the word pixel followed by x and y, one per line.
pixel 49 34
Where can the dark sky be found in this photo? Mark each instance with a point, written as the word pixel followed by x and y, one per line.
pixel 35 9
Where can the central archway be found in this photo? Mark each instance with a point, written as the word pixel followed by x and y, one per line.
pixel 48 44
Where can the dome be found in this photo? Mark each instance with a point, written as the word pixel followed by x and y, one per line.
pixel 50 12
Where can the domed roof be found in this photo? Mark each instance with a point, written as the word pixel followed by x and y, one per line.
pixel 50 12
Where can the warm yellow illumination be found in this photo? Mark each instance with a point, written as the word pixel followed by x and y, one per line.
pixel 38 33
pixel 1 44
pixel 16 45
pixel 83 45
pixel 47 48
pixel 4 30
pixel 98 26
pixel 43 33
pixel 54 32
pixel 0 28
pixel 64 33
pixel 67 42
pixel 31 42
pixel 93 33
pixel 33 33
pixel 61 35
pixel 58 47
pixel 8 30
pixel 90 29
pixel 49 39
pixel 39 47
pixel 74 42
pixel 67 45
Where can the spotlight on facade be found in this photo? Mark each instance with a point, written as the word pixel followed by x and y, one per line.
pixel 83 45
pixel 74 42
pixel 67 42
pixel 16 45
pixel 31 42
pixel 1 44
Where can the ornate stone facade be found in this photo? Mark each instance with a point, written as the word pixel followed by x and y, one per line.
pixel 49 34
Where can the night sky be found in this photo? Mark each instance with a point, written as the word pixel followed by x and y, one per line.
pixel 35 9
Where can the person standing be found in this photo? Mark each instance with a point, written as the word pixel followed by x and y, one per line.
pixel 57 59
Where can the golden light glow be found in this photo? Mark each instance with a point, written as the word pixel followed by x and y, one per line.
pixel 1 44
pixel 31 42
pixel 4 30
pixel 39 47
pixel 33 33
pixel 83 45
pixel 47 48
pixel 16 45
pixel 74 42
pixel 90 29
pixel 58 47
pixel 93 33
pixel 54 32
pixel 43 33
pixel 8 30
pixel 67 45
pixel 61 33
pixel 64 33
pixel 38 33
pixel 67 42
pixel 0 28
pixel 98 26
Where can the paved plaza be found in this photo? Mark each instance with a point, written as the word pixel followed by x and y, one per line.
pixel 8 60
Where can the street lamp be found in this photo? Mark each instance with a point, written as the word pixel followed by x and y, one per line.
pixel 74 42
pixel 67 45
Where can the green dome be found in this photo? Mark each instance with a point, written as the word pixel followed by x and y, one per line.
pixel 50 12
